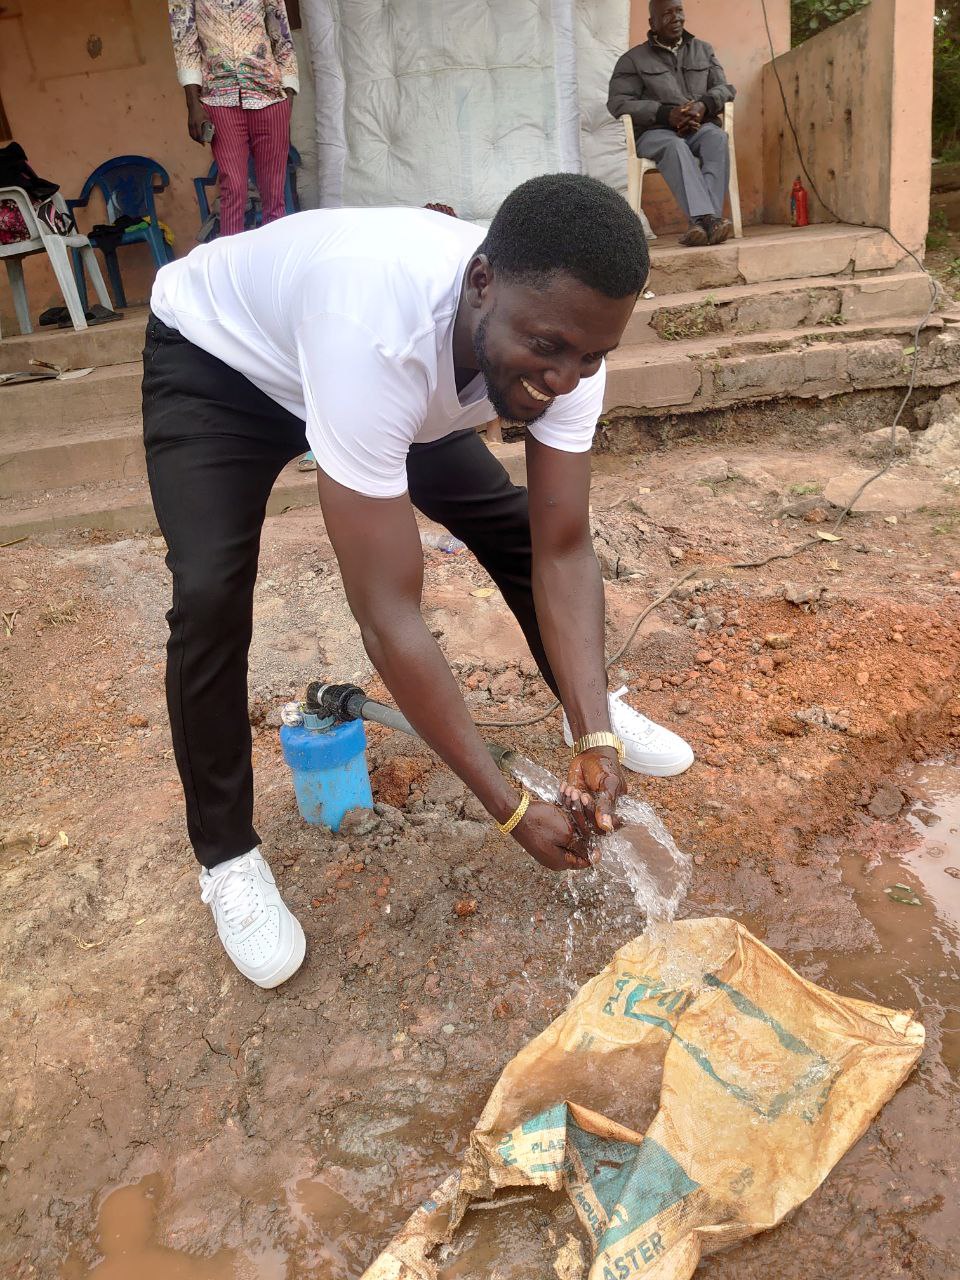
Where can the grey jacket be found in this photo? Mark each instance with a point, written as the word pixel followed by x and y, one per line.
pixel 649 81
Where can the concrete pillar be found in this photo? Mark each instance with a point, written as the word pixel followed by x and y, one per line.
pixel 911 139
pixel 860 96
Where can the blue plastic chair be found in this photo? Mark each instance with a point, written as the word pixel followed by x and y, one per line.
pixel 209 223
pixel 128 185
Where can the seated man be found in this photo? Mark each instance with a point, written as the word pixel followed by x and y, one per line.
pixel 674 89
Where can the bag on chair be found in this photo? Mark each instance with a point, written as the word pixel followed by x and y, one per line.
pixel 12 226
pixel 59 222
pixel 15 171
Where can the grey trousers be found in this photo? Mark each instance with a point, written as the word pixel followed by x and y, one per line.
pixel 695 168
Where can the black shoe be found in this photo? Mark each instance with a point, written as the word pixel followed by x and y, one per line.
pixel 96 315
pixel 721 230
pixel 695 236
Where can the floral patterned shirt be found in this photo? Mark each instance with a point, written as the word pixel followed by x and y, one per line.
pixel 239 51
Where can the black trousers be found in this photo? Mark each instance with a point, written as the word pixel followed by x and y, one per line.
pixel 215 445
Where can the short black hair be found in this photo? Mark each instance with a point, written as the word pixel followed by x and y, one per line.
pixel 569 222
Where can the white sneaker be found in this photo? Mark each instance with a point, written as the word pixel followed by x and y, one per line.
pixel 260 934
pixel 647 747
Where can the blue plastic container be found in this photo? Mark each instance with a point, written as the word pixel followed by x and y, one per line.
pixel 329 766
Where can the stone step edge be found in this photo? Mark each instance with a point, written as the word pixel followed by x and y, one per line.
pixel 773 288
pixel 127 427
pixel 643 352
pixel 692 384
pixel 123 426
pixel 127 507
pixel 729 345
pixel 640 327
pixel 66 347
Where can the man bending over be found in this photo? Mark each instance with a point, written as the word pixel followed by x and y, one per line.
pixel 381 338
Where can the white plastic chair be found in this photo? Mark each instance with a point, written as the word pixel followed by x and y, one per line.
pixel 639 166
pixel 57 248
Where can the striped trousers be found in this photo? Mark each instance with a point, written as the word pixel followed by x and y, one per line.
pixel 238 133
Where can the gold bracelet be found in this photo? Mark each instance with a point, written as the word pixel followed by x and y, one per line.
pixel 599 740
pixel 506 827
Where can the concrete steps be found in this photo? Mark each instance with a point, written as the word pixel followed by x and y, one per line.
pixel 815 311
pixel 54 406
pixel 119 507
pixel 107 452
pixel 790 304
pixel 119 342
pixel 701 374
pixel 768 254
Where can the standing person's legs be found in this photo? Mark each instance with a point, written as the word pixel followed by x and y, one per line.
pixel 215 444
pixel 681 172
pixel 269 130
pixel 231 150
pixel 459 483
pixel 709 145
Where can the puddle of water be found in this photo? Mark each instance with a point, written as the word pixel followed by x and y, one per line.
pixel 917 962
pixel 892 1201
pixel 517 1236
pixel 127 1240
pixel 335 1233
pixel 936 859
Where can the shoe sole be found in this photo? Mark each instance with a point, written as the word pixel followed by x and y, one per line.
pixel 287 968
pixel 661 770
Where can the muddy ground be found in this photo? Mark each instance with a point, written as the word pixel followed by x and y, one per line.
pixel 289 1133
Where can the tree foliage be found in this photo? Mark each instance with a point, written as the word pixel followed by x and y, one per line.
pixel 807 17
pixel 946 93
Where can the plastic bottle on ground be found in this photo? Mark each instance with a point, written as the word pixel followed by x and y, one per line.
pixel 442 542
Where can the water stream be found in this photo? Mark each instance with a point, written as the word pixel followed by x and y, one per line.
pixel 641 857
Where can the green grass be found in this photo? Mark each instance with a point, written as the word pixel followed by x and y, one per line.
pixel 938 237
pixel 688 322
pixel 946 520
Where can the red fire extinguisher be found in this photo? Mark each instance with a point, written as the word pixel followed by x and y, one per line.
pixel 799 206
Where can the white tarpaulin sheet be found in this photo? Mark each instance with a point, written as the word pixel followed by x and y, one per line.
pixel 444 100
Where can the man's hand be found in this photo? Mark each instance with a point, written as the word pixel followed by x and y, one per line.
pixel 687 118
pixel 594 785
pixel 197 115
pixel 552 836
pixel 693 115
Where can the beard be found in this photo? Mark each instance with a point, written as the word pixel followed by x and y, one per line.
pixel 496 392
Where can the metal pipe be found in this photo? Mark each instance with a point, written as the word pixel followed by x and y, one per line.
pixel 349 702
pixel 389 717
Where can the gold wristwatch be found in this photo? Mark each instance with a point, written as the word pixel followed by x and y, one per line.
pixel 605 739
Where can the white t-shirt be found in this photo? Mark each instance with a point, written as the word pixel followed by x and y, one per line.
pixel 345 317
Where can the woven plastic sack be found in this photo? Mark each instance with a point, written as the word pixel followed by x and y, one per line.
pixel 764 1081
